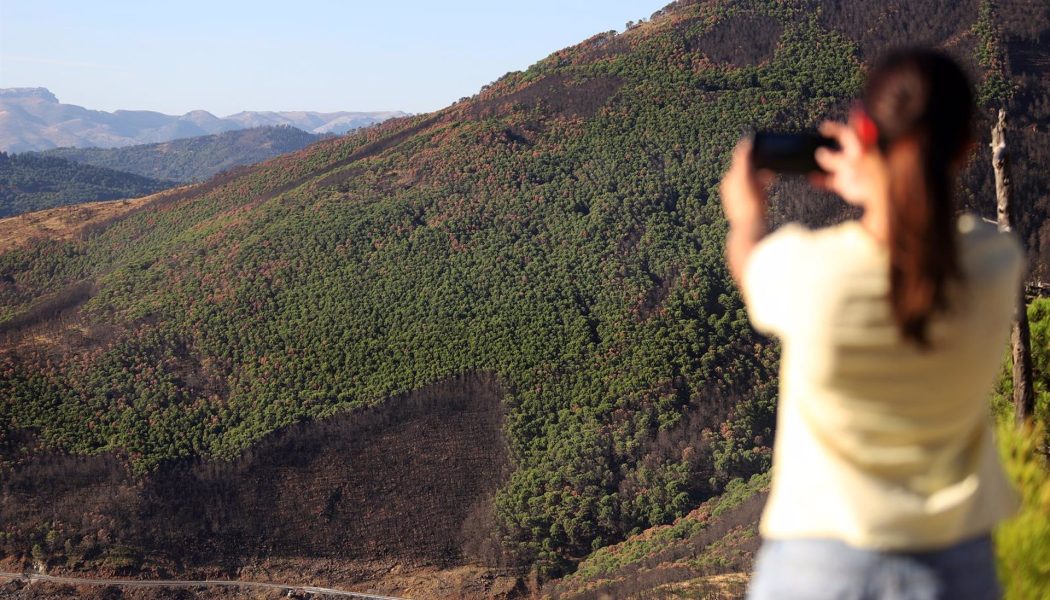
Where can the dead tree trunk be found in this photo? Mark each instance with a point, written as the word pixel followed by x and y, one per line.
pixel 1020 338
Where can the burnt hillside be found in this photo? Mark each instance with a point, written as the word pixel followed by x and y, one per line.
pixel 410 480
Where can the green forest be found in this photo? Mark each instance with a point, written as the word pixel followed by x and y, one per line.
pixel 560 230
pixel 31 182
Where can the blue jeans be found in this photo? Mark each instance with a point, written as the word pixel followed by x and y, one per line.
pixel 824 569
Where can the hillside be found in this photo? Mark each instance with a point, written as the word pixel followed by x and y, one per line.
pixel 709 553
pixel 700 553
pixel 66 222
pixel 412 479
pixel 559 232
pixel 29 182
pixel 196 158
pixel 34 119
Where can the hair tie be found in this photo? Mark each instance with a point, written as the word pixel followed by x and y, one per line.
pixel 867 130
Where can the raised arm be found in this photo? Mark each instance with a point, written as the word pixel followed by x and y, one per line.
pixel 744 203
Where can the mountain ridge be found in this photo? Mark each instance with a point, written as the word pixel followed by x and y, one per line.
pixel 197 158
pixel 34 119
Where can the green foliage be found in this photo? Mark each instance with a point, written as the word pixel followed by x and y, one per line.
pixel 38 553
pixel 121 558
pixel 30 182
pixel 707 540
pixel 1023 542
pixel 994 88
pixel 726 551
pixel 196 158
pixel 738 490
pixel 605 561
pixel 1039 328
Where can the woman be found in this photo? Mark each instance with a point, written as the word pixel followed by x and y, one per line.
pixel 886 481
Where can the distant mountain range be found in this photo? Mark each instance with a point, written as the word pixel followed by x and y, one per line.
pixel 34 119
pixel 196 158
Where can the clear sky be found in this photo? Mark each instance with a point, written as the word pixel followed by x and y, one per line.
pixel 225 56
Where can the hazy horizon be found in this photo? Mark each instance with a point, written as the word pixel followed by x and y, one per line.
pixel 322 57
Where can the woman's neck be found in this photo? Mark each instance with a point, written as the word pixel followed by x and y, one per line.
pixel 876 221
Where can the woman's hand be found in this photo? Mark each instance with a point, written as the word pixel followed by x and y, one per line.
pixel 744 203
pixel 852 171
pixel 743 191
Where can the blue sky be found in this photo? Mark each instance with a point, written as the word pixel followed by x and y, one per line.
pixel 225 56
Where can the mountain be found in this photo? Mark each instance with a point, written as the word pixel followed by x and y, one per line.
pixel 196 158
pixel 504 328
pixel 29 182
pixel 35 181
pixel 34 119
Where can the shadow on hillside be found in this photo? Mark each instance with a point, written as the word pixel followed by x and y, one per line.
pixel 410 480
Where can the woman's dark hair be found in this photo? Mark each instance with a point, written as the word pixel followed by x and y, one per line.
pixel 924 96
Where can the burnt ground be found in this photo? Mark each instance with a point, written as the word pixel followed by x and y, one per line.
pixel 410 481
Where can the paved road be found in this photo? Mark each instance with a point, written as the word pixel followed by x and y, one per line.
pixel 176 583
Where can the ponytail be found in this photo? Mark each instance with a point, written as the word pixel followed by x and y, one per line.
pixel 923 257
pixel 923 98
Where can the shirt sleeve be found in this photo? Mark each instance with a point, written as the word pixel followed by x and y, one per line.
pixel 771 276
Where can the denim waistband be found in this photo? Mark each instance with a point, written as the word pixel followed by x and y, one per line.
pixel 818 569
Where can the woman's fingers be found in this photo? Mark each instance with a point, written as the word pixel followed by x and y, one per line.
pixel 843 167
pixel 836 161
pixel 832 129
pixel 842 133
pixel 830 160
pixel 742 155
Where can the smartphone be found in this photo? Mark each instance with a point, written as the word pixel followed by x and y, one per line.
pixel 788 152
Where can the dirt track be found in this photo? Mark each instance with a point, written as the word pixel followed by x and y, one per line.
pixel 177 583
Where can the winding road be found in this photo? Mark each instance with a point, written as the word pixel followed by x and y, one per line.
pixel 177 583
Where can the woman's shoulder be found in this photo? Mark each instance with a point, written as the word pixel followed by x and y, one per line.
pixel 846 242
pixel 984 250
pixel 797 233
pixel 973 228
